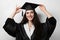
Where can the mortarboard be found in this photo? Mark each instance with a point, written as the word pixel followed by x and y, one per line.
pixel 29 6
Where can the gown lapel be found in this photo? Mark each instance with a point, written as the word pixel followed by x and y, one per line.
pixel 25 35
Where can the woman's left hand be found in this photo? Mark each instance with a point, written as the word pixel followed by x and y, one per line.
pixel 42 7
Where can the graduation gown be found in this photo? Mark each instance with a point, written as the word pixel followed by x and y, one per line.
pixel 17 30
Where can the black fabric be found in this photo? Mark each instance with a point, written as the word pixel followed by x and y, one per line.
pixel 18 31
pixel 10 27
pixel 29 6
pixel 51 23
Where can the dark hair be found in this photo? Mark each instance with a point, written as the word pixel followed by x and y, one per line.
pixel 35 21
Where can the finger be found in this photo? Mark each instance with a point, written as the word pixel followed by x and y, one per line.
pixel 17 8
pixel 18 11
pixel 41 5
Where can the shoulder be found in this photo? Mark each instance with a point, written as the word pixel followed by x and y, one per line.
pixel 44 26
pixel 19 25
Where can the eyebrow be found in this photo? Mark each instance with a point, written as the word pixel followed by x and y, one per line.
pixel 29 11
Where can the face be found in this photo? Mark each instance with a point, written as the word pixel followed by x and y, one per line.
pixel 30 15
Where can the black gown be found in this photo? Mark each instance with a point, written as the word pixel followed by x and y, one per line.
pixel 17 30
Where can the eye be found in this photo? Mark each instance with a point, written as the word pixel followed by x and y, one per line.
pixel 27 12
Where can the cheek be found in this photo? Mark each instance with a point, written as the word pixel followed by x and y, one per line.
pixel 32 15
pixel 27 15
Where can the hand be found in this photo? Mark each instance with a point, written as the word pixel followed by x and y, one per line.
pixel 15 11
pixel 42 7
pixel 18 9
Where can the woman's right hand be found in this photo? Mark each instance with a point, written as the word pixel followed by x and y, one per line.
pixel 15 11
pixel 18 9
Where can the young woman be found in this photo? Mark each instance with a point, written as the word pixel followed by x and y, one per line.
pixel 30 27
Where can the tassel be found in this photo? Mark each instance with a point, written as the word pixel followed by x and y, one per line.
pixel 22 13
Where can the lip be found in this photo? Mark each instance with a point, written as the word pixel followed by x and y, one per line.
pixel 29 16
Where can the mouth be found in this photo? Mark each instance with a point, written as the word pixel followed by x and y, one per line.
pixel 30 17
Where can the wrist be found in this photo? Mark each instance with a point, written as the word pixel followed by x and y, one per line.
pixel 45 11
pixel 12 15
pixel 48 14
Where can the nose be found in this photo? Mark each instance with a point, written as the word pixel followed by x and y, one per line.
pixel 29 13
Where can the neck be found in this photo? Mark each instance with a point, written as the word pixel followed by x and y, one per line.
pixel 30 23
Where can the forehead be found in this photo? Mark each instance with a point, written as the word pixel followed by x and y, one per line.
pixel 29 10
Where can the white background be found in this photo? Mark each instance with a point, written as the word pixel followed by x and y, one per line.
pixel 7 7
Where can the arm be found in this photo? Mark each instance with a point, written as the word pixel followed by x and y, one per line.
pixel 10 24
pixel 10 27
pixel 51 24
pixel 15 11
pixel 50 21
pixel 42 7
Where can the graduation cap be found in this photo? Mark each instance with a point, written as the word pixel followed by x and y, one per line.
pixel 29 6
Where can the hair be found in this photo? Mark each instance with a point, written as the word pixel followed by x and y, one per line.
pixel 35 21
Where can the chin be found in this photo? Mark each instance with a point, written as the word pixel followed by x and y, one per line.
pixel 30 19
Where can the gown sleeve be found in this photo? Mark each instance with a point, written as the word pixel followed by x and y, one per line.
pixel 51 24
pixel 10 27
